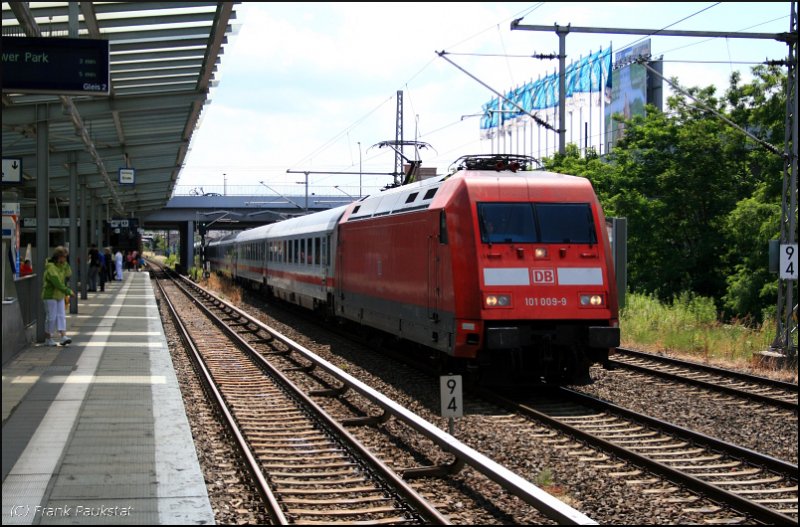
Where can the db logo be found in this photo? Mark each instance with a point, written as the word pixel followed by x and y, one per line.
pixel 543 276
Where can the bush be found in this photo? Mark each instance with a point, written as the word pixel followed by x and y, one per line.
pixel 195 273
pixel 689 325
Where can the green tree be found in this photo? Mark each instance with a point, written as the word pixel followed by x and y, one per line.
pixel 759 107
pixel 701 198
pixel 602 175
pixel 160 243
pixel 751 287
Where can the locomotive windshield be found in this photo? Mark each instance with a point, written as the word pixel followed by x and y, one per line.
pixel 536 223
pixel 565 223
pixel 507 223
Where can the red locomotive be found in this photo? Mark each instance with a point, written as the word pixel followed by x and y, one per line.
pixel 502 269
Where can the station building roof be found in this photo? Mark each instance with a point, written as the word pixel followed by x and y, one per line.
pixel 163 61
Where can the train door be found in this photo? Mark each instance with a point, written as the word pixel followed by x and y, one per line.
pixel 264 262
pixel 435 269
pixel 337 259
pixel 321 259
pixel 235 261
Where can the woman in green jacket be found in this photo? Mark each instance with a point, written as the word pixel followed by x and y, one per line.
pixel 54 289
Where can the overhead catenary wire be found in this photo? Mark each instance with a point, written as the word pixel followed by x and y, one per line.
pixel 539 121
pixel 551 56
pixel 355 131
pixel 523 13
pixel 771 148
pixel 712 38
pixel 346 131
pixel 654 33
pixel 343 132
pixel 751 62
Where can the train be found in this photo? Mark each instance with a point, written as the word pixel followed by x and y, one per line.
pixel 503 271
pixel 123 234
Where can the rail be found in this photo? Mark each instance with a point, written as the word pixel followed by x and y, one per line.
pixel 710 369
pixel 273 508
pixel 736 501
pixel 761 389
pixel 520 487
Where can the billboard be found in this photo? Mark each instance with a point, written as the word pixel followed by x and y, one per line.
pixel 627 94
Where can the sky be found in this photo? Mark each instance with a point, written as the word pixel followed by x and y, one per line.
pixel 313 86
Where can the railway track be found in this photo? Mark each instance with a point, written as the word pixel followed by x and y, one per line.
pixel 634 438
pixel 761 390
pixel 761 487
pixel 707 503
pixel 310 470
pixel 730 477
pixel 299 460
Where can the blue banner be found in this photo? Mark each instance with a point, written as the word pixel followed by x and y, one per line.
pixel 587 75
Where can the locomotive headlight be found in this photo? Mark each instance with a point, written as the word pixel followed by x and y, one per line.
pixel 540 252
pixel 592 300
pixel 498 301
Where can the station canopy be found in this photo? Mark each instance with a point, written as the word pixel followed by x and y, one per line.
pixel 163 57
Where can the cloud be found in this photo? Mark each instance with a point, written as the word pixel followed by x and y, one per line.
pixel 301 84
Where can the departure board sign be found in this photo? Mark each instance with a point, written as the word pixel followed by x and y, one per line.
pixel 59 66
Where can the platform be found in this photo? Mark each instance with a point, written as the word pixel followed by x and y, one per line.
pixel 96 432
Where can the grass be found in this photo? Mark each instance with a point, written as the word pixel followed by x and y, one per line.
pixel 223 287
pixel 544 478
pixel 162 260
pixel 688 327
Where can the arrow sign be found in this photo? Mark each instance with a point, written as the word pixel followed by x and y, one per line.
pixel 12 170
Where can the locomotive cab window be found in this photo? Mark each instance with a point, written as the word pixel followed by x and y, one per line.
pixel 536 223
pixel 506 223
pixel 566 223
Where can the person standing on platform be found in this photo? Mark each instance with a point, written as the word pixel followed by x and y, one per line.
pixel 101 258
pixel 94 267
pixel 118 261
pixel 109 264
pixel 54 291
